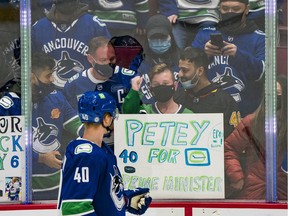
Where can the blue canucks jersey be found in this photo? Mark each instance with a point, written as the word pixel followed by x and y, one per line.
pixel 240 75
pixel 51 115
pixel 122 14
pixel 67 43
pixel 10 104
pixel 90 181
pixel 117 86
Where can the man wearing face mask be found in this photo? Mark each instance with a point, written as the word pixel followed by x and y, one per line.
pixel 51 115
pixel 237 64
pixel 163 87
pixel 103 75
pixel 202 96
pixel 159 47
pixel 64 34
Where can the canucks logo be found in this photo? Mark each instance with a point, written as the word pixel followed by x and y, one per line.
pixel 45 137
pixel 116 189
pixel 227 80
pixel 66 67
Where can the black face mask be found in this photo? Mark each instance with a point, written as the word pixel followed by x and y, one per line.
pixel 279 102
pixel 163 93
pixel 104 70
pixel 231 20
pixel 41 90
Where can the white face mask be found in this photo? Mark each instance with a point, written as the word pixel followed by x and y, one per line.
pixel 189 84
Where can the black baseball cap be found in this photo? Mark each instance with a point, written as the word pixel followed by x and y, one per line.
pixel 158 24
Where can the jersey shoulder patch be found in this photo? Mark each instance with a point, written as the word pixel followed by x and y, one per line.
pixel 259 32
pixel 6 102
pixel 98 21
pixel 83 148
pixel 127 72
pixel 124 71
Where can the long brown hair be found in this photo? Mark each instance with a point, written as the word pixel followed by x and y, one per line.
pixel 258 127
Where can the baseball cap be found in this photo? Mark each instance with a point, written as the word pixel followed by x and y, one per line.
pixel 246 2
pixel 158 24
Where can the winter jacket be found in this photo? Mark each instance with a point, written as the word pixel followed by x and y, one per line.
pixel 244 160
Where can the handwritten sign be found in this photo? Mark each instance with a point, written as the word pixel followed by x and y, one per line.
pixel 177 156
pixel 12 158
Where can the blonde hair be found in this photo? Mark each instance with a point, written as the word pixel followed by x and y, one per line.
pixel 158 69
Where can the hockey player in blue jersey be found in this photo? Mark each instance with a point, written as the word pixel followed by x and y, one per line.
pixel 91 183
pixel 64 34
pixel 51 115
pixel 238 65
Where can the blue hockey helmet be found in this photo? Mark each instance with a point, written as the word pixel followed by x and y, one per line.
pixel 92 106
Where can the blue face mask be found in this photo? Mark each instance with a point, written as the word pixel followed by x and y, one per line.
pixel 159 46
pixel 190 84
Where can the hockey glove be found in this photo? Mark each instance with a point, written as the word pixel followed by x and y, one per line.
pixel 137 201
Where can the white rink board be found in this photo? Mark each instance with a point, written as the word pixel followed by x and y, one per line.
pixel 149 212
pixel 162 212
pixel 238 212
pixel 30 213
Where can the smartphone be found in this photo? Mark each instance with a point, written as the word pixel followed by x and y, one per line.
pixel 216 39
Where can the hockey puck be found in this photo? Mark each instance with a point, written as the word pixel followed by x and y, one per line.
pixel 129 169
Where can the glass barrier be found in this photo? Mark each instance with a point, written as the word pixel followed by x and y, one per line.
pixel 203 63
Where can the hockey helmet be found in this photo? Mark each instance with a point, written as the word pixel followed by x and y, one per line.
pixel 92 106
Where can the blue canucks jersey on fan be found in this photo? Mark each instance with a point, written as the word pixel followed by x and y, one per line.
pixel 117 86
pixel 93 175
pixel 67 43
pixel 10 104
pixel 51 115
pixel 123 14
pixel 238 75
